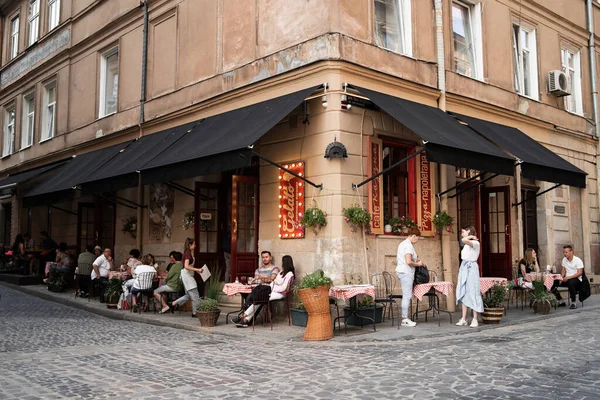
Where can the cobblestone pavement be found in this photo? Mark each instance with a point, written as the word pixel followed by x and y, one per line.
pixel 50 351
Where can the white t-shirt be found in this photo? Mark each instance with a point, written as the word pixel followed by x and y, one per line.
pixel 469 253
pixel 103 267
pixel 404 248
pixel 572 267
pixel 139 270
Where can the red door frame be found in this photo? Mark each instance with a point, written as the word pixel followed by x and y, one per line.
pixel 477 211
pixel 494 264
pixel 202 258
pixel 243 263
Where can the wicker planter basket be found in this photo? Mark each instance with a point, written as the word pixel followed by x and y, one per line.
pixel 541 307
pixel 209 318
pixel 316 301
pixel 492 315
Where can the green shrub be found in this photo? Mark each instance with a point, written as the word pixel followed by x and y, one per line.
pixel 496 296
pixel 207 305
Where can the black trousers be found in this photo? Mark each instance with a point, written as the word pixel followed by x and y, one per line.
pixel 101 283
pixel 574 286
pixel 259 294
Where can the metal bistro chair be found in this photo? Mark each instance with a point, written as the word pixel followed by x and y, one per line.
pixel 145 280
pixel 84 272
pixel 286 302
pixel 383 292
pixel 516 291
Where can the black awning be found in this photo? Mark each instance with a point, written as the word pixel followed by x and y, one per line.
pixel 447 141
pixel 22 177
pixel 64 178
pixel 538 162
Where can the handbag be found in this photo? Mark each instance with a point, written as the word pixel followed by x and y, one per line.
pixel 421 275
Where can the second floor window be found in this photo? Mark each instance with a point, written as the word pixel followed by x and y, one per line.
pixel 34 21
pixel 53 14
pixel 14 37
pixel 109 82
pixel 525 61
pixel 393 25
pixel 28 120
pixel 466 32
pixel 9 130
pixel 571 67
pixel 49 111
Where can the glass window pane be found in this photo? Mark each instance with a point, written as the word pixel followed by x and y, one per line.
pixel 242 218
pixel 241 240
pixel 493 243
pixel 501 243
pixel 212 242
pixel 493 222
pixel 250 241
pixel 501 201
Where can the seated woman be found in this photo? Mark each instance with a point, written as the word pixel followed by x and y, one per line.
pixel 20 257
pixel 138 284
pixel 63 261
pixel 133 261
pixel 132 264
pixel 173 281
pixel 527 265
pixel 277 290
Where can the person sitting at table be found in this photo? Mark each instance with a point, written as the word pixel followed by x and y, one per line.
pixel 572 277
pixel 407 260
pixel 29 249
pixel 132 264
pixel 101 270
pixel 62 263
pixel 137 285
pixel 97 251
pixel 467 288
pixel 277 290
pixel 49 247
pixel 527 265
pixel 20 257
pixel 87 258
pixel 173 282
pixel 133 261
pixel 187 277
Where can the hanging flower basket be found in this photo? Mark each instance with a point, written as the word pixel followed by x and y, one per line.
pixel 188 220
pixel 358 218
pixel 314 218
pixel 130 226
pixel 442 222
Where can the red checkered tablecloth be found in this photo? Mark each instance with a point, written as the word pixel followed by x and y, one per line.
pixel 346 292
pixel 443 287
pixel 117 274
pixel 548 278
pixel 231 289
pixel 486 284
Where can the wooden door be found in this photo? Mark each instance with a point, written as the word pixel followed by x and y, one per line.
pixel 206 225
pixel 105 223
pixel 469 213
pixel 244 226
pixel 86 226
pixel 496 232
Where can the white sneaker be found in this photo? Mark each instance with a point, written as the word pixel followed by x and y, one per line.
pixel 408 322
pixel 461 322
pixel 474 323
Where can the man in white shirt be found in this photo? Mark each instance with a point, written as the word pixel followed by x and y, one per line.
pixel 101 269
pixel 572 276
pixel 407 260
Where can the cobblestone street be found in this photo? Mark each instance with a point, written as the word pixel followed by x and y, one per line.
pixel 50 351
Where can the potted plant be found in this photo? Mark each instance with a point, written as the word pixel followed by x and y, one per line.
pixel 406 223
pixel 113 292
pixel 365 309
pixel 299 315
pixel 442 222
pixel 208 312
pixel 213 288
pixel 58 282
pixel 314 294
pixel 313 218
pixel 358 218
pixel 542 301
pixel 493 304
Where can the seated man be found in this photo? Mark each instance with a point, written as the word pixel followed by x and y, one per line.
pixel 572 275
pixel 142 281
pixel 173 282
pixel 101 269
pixel 83 276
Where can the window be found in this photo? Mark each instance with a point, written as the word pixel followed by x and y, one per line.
pixel 395 183
pixel 466 31
pixel 28 120
pixel 34 21
pixel 53 14
pixel 49 111
pixel 572 68
pixel 14 38
pixel 393 25
pixel 9 130
pixel 109 82
pixel 525 61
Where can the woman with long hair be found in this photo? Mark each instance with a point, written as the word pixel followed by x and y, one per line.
pixel 187 277
pixel 527 265
pixel 467 288
pixel 278 288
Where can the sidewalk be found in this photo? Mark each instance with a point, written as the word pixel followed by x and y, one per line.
pixel 282 332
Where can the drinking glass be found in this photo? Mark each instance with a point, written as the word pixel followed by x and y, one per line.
pixel 243 279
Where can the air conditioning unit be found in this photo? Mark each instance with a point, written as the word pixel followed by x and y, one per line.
pixel 558 83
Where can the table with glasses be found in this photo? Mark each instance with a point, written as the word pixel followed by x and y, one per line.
pixel 429 290
pixel 486 284
pixel 350 292
pixel 231 289
pixel 547 278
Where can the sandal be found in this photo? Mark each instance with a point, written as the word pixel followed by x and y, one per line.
pixel 165 309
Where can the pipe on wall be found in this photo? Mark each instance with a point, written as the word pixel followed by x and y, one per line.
pixel 592 55
pixel 144 61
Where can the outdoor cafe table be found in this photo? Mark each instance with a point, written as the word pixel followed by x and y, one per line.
pixel 486 284
pixel 231 289
pixel 349 292
pixel 547 278
pixel 422 289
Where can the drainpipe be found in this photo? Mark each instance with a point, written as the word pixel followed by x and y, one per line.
pixel 144 62
pixel 592 55
pixel 441 64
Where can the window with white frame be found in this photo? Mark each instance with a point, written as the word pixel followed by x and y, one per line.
pixel 393 25
pixel 53 14
pixel 9 130
pixel 525 60
pixel 466 31
pixel 14 37
pixel 34 21
pixel 28 124
pixel 571 66
pixel 109 82
pixel 49 111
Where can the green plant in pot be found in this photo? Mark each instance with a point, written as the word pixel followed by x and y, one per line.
pixel 493 304
pixel 443 223
pixel 542 301
pixel 208 312
pixel 113 292
pixel 366 308
pixel 358 218
pixel 314 294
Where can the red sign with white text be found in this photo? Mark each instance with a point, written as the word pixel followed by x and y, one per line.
pixel 291 201
pixel 425 199
pixel 376 186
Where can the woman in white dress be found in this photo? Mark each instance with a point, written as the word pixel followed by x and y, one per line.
pixel 467 288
